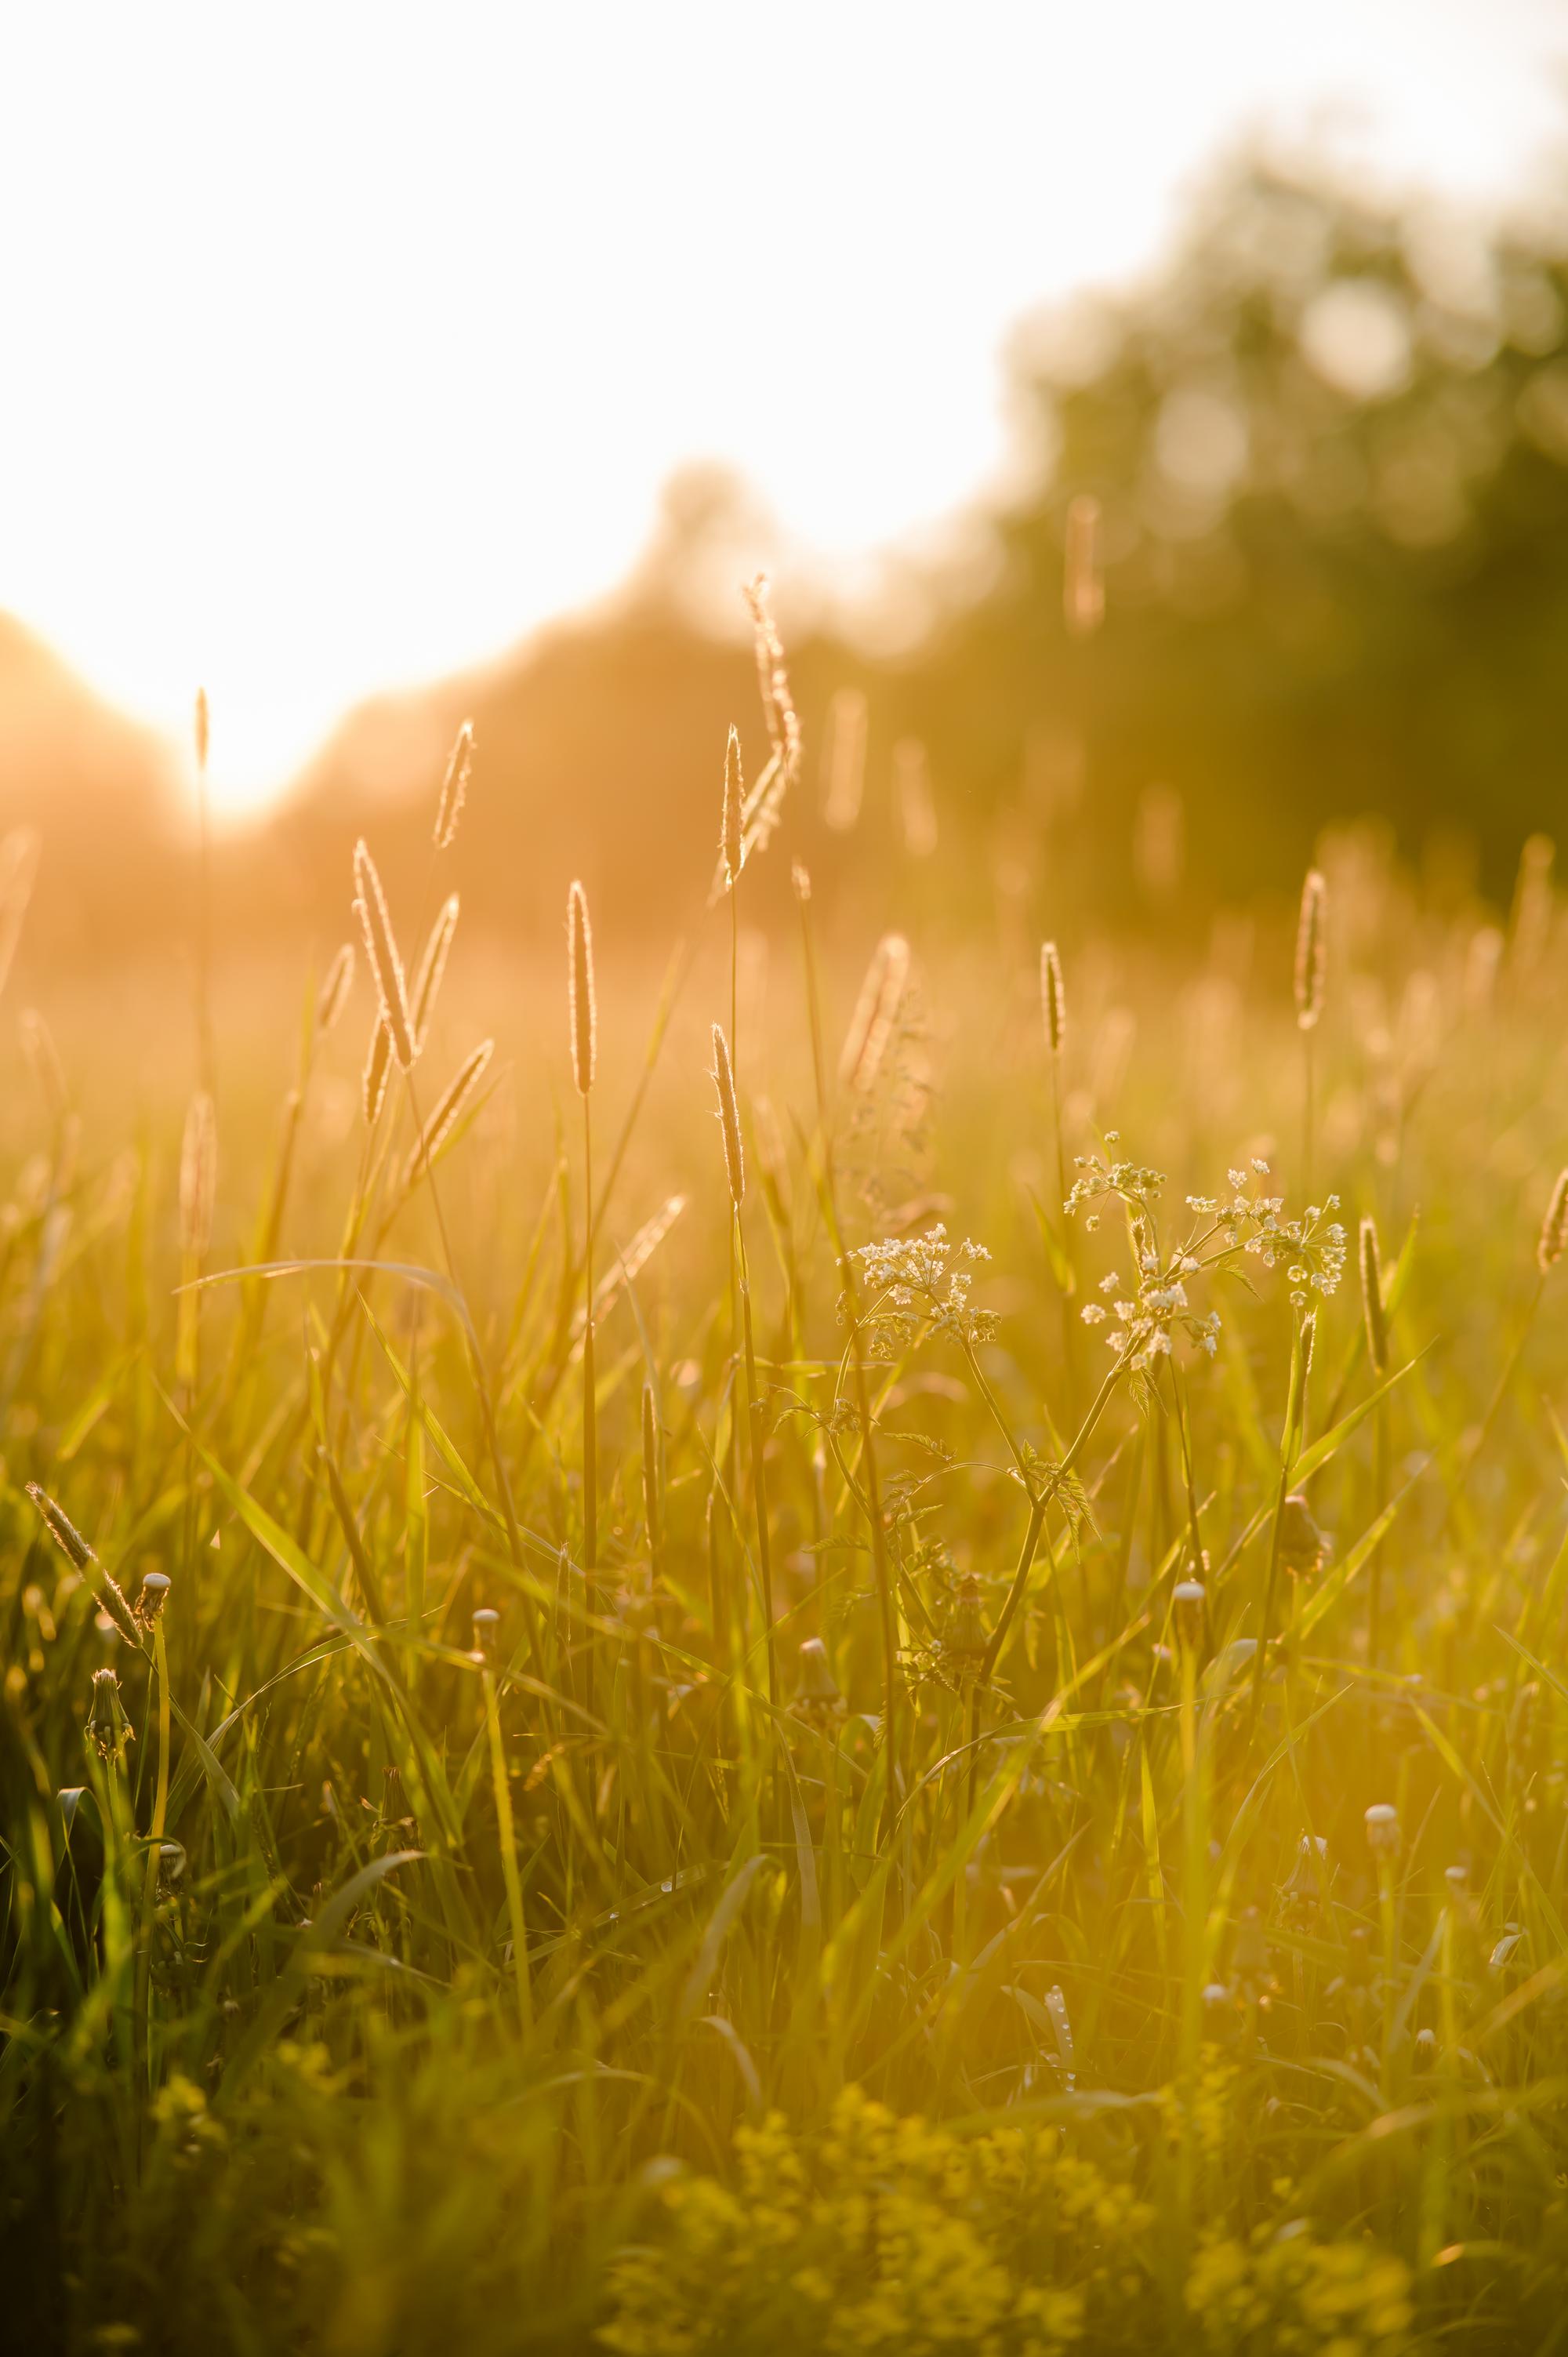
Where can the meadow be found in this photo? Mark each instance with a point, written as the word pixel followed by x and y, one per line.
pixel 735 1658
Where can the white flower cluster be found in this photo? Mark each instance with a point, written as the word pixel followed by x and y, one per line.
pixel 1313 1246
pixel 1157 1307
pixel 1145 1324
pixel 913 1286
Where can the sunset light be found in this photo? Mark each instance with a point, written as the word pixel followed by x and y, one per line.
pixel 784 1179
pixel 344 352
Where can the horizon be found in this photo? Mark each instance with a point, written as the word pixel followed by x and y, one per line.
pixel 302 500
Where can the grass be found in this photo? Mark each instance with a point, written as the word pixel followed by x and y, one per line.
pixel 798 1842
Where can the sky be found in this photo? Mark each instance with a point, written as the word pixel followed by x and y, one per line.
pixel 343 345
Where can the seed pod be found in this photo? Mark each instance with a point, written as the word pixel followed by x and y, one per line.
pixel 1189 1605
pixel 1554 1226
pixel 1053 1004
pixel 1372 1297
pixel 1311 952
pixel 454 787
pixel 732 841
pixel 580 990
pixel 381 947
pixel 1382 1825
pixel 335 989
pixel 153 1597
pixel 729 1119
pixel 817 1697
pixel 1302 1545
pixel 108 1729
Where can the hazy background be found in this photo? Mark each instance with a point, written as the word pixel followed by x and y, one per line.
pixel 379 367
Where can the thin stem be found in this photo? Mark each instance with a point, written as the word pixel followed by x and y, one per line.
pixel 758 1469
pixel 505 1835
pixel 481 1380
pixel 886 1609
pixel 1287 1459
pixel 1039 1507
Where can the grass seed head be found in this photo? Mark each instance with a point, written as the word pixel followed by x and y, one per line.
pixel 61 1529
pixel 731 841
pixel 454 787
pixel 76 1552
pixel 431 970
pixel 1554 1226
pixel 773 682
pixel 202 730
pixel 1052 1002
pixel 448 1111
pixel 381 947
pixel 581 1005
pixel 1372 1296
pixel 1311 952
pixel 729 1119
pixel 875 1013
pixel 378 1065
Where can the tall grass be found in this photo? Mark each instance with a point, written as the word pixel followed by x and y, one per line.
pixel 537 1738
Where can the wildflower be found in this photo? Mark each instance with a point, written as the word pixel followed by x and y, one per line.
pixel 912 1288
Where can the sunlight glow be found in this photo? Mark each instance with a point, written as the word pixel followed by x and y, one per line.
pixel 366 364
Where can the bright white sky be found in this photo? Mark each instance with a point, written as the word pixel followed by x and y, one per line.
pixel 341 344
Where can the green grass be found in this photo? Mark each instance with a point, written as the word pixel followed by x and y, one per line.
pixel 411 1984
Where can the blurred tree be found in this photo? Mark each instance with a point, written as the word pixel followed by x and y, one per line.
pixel 1330 447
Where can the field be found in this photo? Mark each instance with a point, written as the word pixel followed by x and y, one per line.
pixel 820 1806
